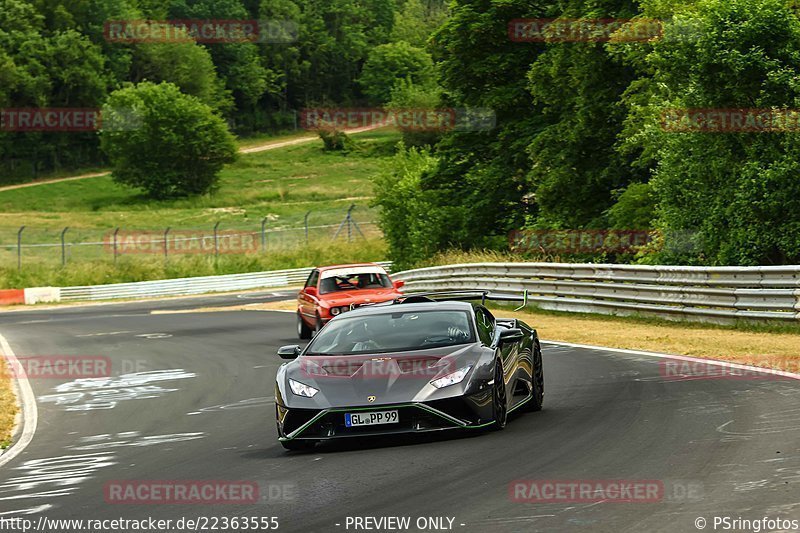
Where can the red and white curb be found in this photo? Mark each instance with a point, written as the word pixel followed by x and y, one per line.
pixel 30 296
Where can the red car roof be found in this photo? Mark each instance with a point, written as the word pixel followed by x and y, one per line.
pixel 330 267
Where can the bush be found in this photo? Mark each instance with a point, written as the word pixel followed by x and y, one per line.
pixel 407 95
pixel 388 64
pixel 163 141
pixel 416 222
pixel 335 140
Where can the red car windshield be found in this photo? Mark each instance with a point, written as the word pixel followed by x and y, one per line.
pixel 354 282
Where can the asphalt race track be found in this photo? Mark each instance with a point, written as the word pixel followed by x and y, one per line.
pixel 191 398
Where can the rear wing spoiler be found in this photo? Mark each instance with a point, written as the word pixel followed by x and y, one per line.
pixel 484 296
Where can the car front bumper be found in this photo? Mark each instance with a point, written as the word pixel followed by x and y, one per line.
pixel 465 412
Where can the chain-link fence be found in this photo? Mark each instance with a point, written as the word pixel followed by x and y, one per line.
pixel 65 246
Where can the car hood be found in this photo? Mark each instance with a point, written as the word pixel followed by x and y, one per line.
pixel 340 298
pixel 346 381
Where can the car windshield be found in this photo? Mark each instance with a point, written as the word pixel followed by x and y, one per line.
pixel 354 282
pixel 393 332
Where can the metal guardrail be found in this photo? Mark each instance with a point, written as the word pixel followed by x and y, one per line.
pixel 707 294
pixel 189 286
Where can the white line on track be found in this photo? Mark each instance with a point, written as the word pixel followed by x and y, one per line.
pixel 713 362
pixel 30 413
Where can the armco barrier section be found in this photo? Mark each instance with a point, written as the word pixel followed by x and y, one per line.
pixel 189 286
pixel 707 294
pixel 12 296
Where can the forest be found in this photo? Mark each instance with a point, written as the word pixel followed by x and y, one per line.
pixel 589 130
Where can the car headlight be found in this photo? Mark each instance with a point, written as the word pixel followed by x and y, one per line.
pixel 335 311
pixel 451 379
pixel 301 389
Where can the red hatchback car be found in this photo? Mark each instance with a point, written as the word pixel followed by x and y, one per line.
pixel 332 290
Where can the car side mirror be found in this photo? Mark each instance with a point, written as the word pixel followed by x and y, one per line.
pixel 311 291
pixel 511 335
pixel 399 284
pixel 289 352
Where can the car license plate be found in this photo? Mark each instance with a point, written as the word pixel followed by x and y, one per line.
pixel 371 418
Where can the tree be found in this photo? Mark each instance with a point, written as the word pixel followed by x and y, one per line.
pixel 391 63
pixel 163 141
pixel 575 166
pixel 407 95
pixel 733 198
pixel 480 180
pixel 416 21
pixel 237 63
pixel 187 65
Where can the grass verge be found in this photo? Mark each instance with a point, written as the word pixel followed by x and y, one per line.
pixel 758 345
pixel 281 184
pixel 8 406
pixel 140 268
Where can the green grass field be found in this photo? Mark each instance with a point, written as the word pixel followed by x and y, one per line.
pixel 281 185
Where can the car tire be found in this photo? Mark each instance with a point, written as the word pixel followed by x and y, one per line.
pixel 303 331
pixel 499 402
pixel 537 381
pixel 319 323
pixel 298 445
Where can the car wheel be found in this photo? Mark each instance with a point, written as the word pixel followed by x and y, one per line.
pixel 298 445
pixel 499 404
pixel 537 383
pixel 303 331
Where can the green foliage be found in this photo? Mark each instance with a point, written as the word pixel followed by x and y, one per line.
pixel 574 167
pixel 480 179
pixel 414 221
pixel 635 208
pixel 187 65
pixel 406 95
pixel 163 141
pixel 731 198
pixel 416 21
pixel 389 64
pixel 55 53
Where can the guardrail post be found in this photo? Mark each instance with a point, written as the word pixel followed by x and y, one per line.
pixel 216 240
pixel 305 223
pixel 264 234
pixel 166 246
pixel 63 247
pixel 116 231
pixel 19 248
